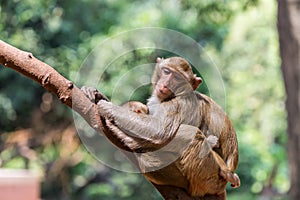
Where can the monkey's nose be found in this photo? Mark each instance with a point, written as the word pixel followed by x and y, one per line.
pixel 163 89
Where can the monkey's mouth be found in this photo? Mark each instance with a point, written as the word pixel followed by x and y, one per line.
pixel 163 93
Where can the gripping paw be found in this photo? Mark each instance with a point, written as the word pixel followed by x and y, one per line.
pixel 93 94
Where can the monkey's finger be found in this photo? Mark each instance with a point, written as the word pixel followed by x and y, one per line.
pixel 89 92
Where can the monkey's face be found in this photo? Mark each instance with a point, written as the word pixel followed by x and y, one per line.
pixel 170 83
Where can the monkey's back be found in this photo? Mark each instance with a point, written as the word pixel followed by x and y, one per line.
pixel 214 121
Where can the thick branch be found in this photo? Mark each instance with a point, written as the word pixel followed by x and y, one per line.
pixel 65 90
pixel 26 64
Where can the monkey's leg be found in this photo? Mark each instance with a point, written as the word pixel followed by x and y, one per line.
pixel 210 142
pixel 225 172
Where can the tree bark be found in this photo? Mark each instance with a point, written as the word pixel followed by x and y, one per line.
pixel 26 64
pixel 289 41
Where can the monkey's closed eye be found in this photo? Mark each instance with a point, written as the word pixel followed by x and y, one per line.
pixel 166 71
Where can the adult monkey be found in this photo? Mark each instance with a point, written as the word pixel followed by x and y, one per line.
pixel 175 112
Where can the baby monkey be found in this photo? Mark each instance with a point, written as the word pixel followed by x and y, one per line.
pixel 136 106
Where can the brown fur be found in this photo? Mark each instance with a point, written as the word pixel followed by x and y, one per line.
pixel 175 131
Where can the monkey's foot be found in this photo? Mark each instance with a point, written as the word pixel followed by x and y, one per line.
pixel 231 177
pixel 213 141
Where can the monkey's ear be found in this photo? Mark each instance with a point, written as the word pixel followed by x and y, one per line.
pixel 197 82
pixel 158 59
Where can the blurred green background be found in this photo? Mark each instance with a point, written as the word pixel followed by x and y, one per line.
pixel 37 132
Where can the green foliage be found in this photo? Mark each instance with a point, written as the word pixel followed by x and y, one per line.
pixel 251 68
pixel 240 36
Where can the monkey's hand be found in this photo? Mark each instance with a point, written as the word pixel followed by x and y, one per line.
pixel 93 94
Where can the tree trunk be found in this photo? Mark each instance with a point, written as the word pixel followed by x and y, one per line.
pixel 26 64
pixel 289 39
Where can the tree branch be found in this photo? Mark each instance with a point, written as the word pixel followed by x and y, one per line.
pixel 26 64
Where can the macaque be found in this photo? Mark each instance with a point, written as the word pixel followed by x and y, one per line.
pixel 180 125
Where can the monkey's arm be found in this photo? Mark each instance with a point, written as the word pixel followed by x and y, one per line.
pixel 146 127
pixel 129 130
